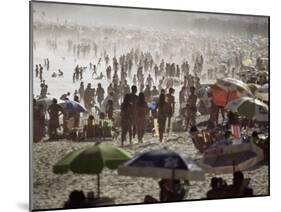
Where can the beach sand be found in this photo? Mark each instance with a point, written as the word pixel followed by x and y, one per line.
pixel 51 190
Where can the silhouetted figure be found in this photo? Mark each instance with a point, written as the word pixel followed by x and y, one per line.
pixel 154 91
pixel 171 106
pixel 109 109
pixel 134 99
pixel 65 96
pixel 40 72
pixel 76 199
pixel 191 108
pixel 81 91
pixel 126 119
pixel 239 186
pixel 39 121
pixel 36 70
pixel 162 113
pixel 88 95
pixel 218 190
pixel 100 94
pixel 142 111
pixel 54 110
pixel 108 72
pixel 89 128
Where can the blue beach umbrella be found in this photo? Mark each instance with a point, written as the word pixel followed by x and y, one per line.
pixel 164 164
pixel 73 106
pixel 153 102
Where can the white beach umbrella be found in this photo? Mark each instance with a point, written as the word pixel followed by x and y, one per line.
pixel 262 92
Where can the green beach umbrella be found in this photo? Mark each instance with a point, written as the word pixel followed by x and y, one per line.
pixel 249 107
pixel 92 160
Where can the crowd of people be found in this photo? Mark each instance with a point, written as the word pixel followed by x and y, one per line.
pixel 134 101
pixel 146 84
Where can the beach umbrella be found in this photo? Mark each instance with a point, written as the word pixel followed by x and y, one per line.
pixel 230 155
pixel 92 160
pixel 72 106
pixel 262 92
pixel 253 87
pixel 249 107
pixel 221 97
pixel 46 102
pixel 153 102
pixel 231 84
pixel 162 163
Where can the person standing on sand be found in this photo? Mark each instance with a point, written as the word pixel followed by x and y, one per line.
pixel 162 109
pixel 54 110
pixel 142 111
pixel 39 121
pixel 109 109
pixel 100 94
pixel 154 91
pixel 88 95
pixel 171 106
pixel 182 99
pixel 126 119
pixel 147 93
pixel 76 114
pixel 134 99
pixel 81 91
pixel 191 108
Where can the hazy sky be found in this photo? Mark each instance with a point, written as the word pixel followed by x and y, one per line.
pixel 123 16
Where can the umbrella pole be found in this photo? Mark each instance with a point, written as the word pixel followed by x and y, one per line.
pixel 98 185
pixel 173 178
